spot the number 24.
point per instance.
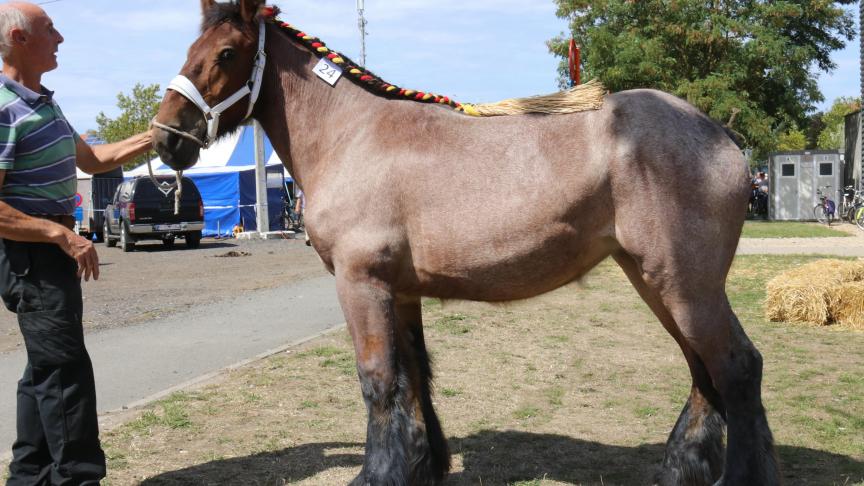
(327, 71)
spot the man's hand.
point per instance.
(83, 251)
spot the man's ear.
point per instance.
(18, 35)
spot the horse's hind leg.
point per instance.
(735, 367)
(694, 451)
(716, 348)
(404, 443)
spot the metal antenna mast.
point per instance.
(361, 22)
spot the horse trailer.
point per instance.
(94, 193)
(795, 179)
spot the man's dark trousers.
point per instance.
(58, 436)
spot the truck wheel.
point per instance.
(126, 243)
(193, 239)
(109, 242)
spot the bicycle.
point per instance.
(858, 212)
(825, 208)
(851, 208)
(848, 204)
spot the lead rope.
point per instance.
(178, 192)
(166, 188)
(189, 136)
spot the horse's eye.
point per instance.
(226, 55)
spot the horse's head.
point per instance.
(217, 87)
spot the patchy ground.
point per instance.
(580, 386)
(154, 282)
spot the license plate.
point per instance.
(167, 227)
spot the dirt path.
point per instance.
(852, 246)
(132, 363)
(152, 283)
(579, 386)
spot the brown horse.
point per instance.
(408, 200)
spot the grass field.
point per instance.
(787, 229)
(579, 386)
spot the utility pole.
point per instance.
(861, 106)
(262, 216)
(361, 22)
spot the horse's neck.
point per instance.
(312, 125)
(305, 118)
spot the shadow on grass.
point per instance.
(498, 458)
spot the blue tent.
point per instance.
(225, 176)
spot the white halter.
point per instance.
(182, 85)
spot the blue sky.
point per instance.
(470, 50)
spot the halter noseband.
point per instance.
(182, 85)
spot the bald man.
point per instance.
(42, 260)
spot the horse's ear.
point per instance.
(249, 9)
(205, 6)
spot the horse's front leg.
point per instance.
(391, 380)
(429, 454)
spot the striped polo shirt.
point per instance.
(37, 151)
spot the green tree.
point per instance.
(792, 139)
(760, 58)
(831, 137)
(136, 112)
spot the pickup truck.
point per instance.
(141, 211)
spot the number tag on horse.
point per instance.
(328, 71)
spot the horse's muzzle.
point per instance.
(176, 152)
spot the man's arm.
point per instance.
(18, 226)
(102, 158)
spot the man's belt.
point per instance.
(64, 219)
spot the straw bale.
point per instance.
(809, 293)
(827, 271)
(849, 306)
(798, 301)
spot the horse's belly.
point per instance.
(503, 269)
